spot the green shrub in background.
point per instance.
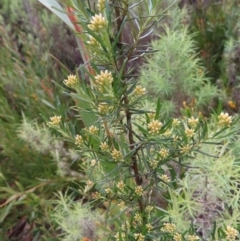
(216, 28)
(29, 19)
(175, 74)
(28, 178)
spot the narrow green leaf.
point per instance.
(55, 7)
(48, 104)
(5, 211)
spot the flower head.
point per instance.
(167, 133)
(120, 236)
(185, 149)
(121, 185)
(149, 208)
(165, 178)
(177, 237)
(93, 130)
(104, 79)
(164, 152)
(175, 122)
(139, 237)
(149, 227)
(71, 81)
(154, 126)
(154, 164)
(93, 42)
(139, 90)
(122, 205)
(231, 233)
(192, 238)
(168, 227)
(138, 218)
(224, 120)
(139, 190)
(55, 120)
(192, 122)
(78, 140)
(96, 195)
(232, 105)
(89, 185)
(104, 146)
(93, 163)
(97, 23)
(189, 133)
(101, 5)
(116, 155)
(103, 108)
(108, 190)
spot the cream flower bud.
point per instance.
(224, 120)
(71, 81)
(97, 23)
(54, 120)
(154, 127)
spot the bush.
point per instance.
(27, 177)
(217, 31)
(122, 169)
(140, 166)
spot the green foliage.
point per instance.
(175, 74)
(139, 163)
(29, 177)
(76, 221)
(216, 28)
(208, 193)
(121, 168)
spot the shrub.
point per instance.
(216, 28)
(139, 165)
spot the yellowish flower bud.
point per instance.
(189, 133)
(54, 120)
(139, 90)
(71, 81)
(104, 79)
(139, 237)
(154, 164)
(149, 227)
(93, 42)
(104, 146)
(78, 140)
(121, 185)
(164, 152)
(93, 130)
(224, 120)
(177, 237)
(231, 233)
(103, 108)
(192, 238)
(97, 23)
(192, 122)
(101, 5)
(185, 149)
(139, 190)
(168, 227)
(165, 178)
(154, 127)
(116, 155)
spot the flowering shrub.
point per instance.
(153, 177)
